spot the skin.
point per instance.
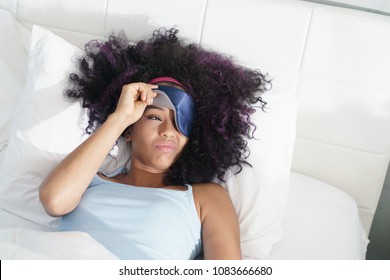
(156, 143)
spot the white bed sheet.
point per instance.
(27, 244)
(320, 222)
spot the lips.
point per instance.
(166, 147)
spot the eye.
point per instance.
(154, 118)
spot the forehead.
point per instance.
(153, 107)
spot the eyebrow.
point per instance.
(154, 107)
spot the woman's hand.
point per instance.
(63, 188)
(133, 101)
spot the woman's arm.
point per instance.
(62, 189)
(220, 229)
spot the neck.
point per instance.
(144, 178)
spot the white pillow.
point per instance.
(259, 194)
(13, 64)
(47, 128)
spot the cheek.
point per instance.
(143, 129)
(182, 142)
(139, 139)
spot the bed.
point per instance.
(324, 141)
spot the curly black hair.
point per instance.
(225, 95)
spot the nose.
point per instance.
(167, 129)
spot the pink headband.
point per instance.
(165, 79)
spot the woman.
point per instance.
(165, 205)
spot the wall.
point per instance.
(379, 247)
(376, 6)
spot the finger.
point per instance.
(146, 91)
(141, 91)
(152, 86)
(151, 96)
(131, 90)
(144, 96)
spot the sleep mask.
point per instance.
(180, 102)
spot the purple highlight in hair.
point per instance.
(225, 95)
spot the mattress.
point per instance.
(320, 222)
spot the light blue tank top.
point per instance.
(138, 222)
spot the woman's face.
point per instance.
(156, 143)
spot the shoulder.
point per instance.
(210, 197)
(208, 191)
(220, 226)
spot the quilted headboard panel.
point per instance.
(334, 60)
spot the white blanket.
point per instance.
(26, 244)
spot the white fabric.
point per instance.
(343, 122)
(259, 194)
(13, 62)
(27, 244)
(321, 222)
(46, 128)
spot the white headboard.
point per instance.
(334, 60)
